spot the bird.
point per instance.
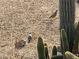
(29, 37)
(20, 44)
(54, 14)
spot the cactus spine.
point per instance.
(40, 48)
(64, 42)
(67, 18)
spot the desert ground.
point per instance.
(20, 17)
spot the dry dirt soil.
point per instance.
(19, 17)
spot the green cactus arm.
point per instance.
(64, 41)
(69, 55)
(54, 51)
(46, 51)
(40, 48)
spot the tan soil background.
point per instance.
(19, 17)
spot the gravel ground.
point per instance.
(19, 17)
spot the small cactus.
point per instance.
(59, 48)
(40, 48)
(64, 41)
(54, 51)
(46, 51)
(69, 55)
